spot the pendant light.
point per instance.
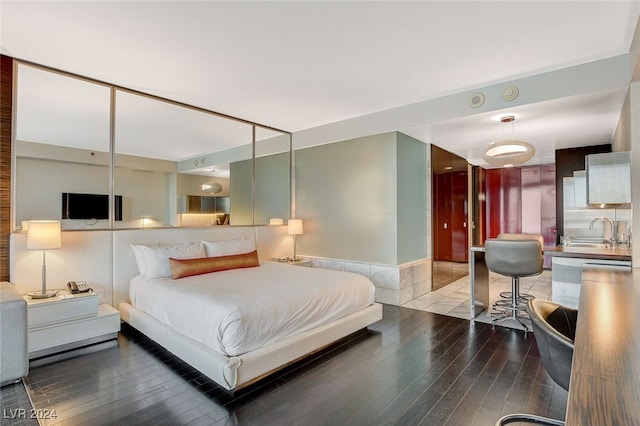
(508, 152)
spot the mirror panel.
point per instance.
(167, 153)
(167, 156)
(231, 169)
(62, 131)
(273, 175)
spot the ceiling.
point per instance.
(298, 65)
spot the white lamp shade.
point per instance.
(44, 235)
(294, 226)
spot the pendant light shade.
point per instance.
(508, 152)
(211, 187)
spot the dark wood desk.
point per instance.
(605, 374)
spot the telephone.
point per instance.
(76, 287)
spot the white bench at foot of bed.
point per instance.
(233, 373)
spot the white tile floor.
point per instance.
(453, 299)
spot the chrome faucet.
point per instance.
(613, 240)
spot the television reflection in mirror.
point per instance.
(89, 206)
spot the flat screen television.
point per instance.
(89, 206)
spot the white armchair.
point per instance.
(14, 356)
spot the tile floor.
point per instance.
(453, 299)
(444, 273)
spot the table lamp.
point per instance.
(294, 227)
(44, 235)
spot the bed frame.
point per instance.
(236, 372)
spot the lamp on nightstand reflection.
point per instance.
(44, 235)
(294, 227)
(146, 220)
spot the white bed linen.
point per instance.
(237, 311)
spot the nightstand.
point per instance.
(68, 321)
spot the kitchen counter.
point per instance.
(567, 264)
(589, 253)
(566, 272)
(605, 373)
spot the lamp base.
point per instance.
(41, 295)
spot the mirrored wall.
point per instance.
(98, 156)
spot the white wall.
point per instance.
(629, 127)
(43, 172)
(622, 136)
(40, 184)
(634, 116)
(84, 256)
(145, 194)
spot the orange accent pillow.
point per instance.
(181, 268)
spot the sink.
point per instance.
(588, 242)
(602, 245)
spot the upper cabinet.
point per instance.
(77, 135)
(609, 178)
(580, 188)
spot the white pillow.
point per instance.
(153, 260)
(139, 255)
(227, 247)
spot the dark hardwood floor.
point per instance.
(413, 367)
(15, 407)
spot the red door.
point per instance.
(442, 213)
(450, 217)
(459, 210)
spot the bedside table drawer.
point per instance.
(45, 312)
(54, 338)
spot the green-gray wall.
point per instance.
(357, 199)
(412, 205)
(273, 196)
(273, 187)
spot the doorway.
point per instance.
(450, 189)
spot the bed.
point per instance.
(313, 308)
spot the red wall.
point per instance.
(504, 201)
(521, 200)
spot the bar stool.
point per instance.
(515, 259)
(506, 295)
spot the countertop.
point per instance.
(579, 252)
(589, 252)
(605, 373)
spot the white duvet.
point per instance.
(240, 310)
